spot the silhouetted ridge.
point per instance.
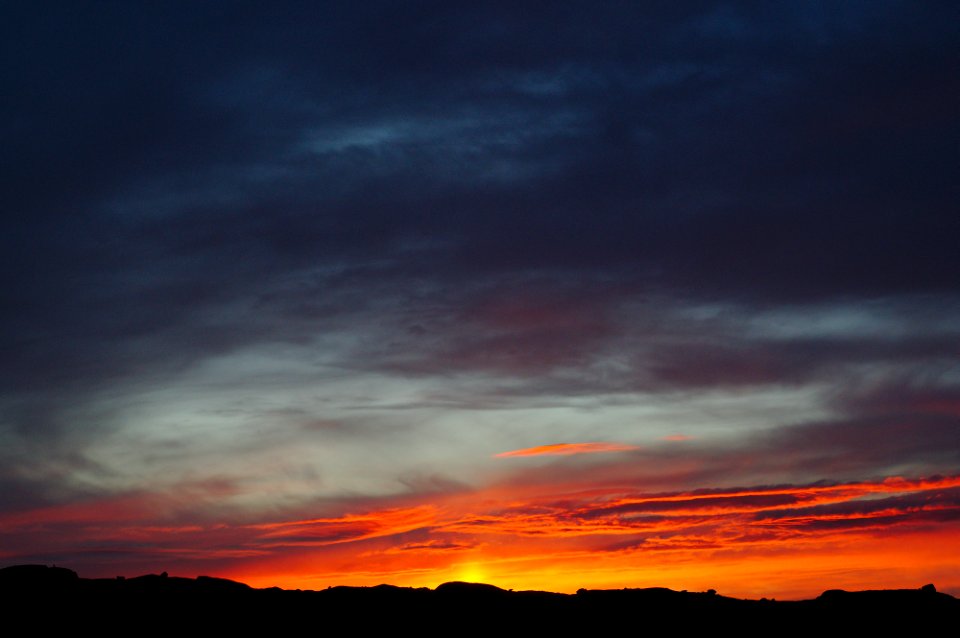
(38, 576)
(459, 588)
(926, 597)
(229, 605)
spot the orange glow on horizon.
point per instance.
(815, 537)
(776, 541)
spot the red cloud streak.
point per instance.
(784, 540)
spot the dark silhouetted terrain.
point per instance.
(58, 597)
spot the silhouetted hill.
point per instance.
(217, 604)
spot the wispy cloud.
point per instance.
(498, 524)
(347, 528)
(568, 449)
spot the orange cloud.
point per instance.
(567, 449)
(347, 528)
(781, 540)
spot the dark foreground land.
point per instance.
(54, 596)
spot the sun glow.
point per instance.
(471, 573)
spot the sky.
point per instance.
(546, 295)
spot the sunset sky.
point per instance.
(546, 295)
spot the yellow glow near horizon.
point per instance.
(471, 573)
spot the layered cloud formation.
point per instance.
(400, 284)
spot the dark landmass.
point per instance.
(58, 596)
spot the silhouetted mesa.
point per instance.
(219, 604)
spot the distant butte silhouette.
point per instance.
(58, 597)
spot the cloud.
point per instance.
(471, 228)
(432, 546)
(347, 528)
(416, 536)
(568, 449)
